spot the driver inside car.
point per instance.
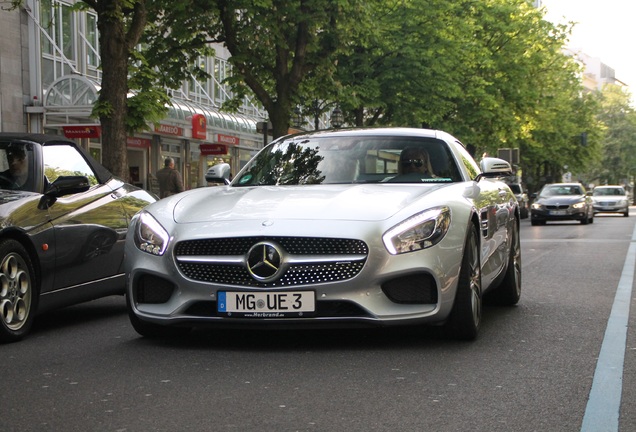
(415, 160)
(17, 176)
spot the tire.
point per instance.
(151, 330)
(465, 317)
(18, 292)
(626, 214)
(508, 292)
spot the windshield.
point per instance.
(344, 160)
(608, 191)
(556, 190)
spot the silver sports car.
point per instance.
(350, 227)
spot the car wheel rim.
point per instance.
(475, 282)
(516, 261)
(15, 292)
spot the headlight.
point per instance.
(537, 206)
(420, 231)
(578, 205)
(150, 236)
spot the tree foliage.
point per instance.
(492, 72)
(618, 161)
(277, 46)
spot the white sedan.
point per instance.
(352, 227)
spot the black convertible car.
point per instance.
(63, 222)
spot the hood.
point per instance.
(323, 202)
(561, 199)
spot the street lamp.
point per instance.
(337, 118)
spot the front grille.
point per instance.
(315, 260)
(293, 245)
(558, 207)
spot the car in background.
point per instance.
(522, 198)
(63, 223)
(355, 227)
(610, 199)
(560, 202)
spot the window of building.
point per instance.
(59, 53)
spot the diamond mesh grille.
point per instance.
(298, 274)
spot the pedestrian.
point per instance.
(169, 179)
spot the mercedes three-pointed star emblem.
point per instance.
(265, 261)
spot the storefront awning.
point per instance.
(70, 99)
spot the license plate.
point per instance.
(558, 212)
(258, 304)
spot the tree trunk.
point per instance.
(113, 95)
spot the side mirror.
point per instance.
(219, 173)
(494, 167)
(63, 185)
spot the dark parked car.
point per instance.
(63, 222)
(352, 227)
(562, 201)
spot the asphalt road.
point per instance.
(532, 369)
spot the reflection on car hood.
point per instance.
(19, 208)
(323, 202)
(561, 199)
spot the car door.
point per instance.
(89, 227)
(493, 202)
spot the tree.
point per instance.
(616, 166)
(133, 88)
(282, 50)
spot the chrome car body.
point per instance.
(62, 233)
(320, 229)
(562, 201)
(610, 199)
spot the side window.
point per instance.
(66, 160)
(467, 161)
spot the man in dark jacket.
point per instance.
(170, 182)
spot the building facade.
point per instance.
(50, 84)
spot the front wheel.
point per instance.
(18, 297)
(508, 292)
(465, 317)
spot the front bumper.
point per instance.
(610, 208)
(558, 215)
(412, 288)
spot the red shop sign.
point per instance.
(213, 149)
(82, 131)
(169, 130)
(138, 142)
(227, 139)
(199, 126)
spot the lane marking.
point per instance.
(604, 404)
